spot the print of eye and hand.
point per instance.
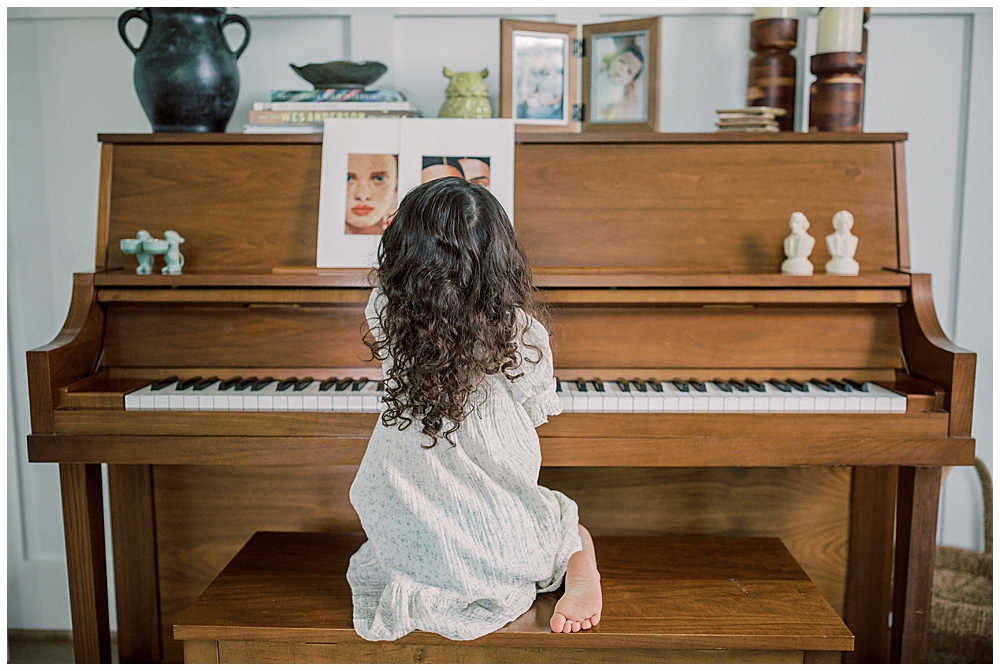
(371, 193)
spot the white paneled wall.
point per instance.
(70, 77)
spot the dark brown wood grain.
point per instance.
(239, 206)
(902, 214)
(868, 591)
(659, 593)
(913, 577)
(133, 535)
(83, 524)
(556, 451)
(72, 355)
(932, 355)
(714, 208)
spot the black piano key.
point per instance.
(623, 385)
(742, 386)
(190, 382)
(344, 384)
(825, 386)
(581, 385)
(598, 384)
(860, 386)
(327, 383)
(286, 383)
(230, 383)
(640, 385)
(303, 383)
(838, 384)
(380, 386)
(206, 383)
(698, 384)
(757, 386)
(165, 382)
(360, 384)
(656, 385)
(245, 384)
(558, 386)
(680, 384)
(261, 383)
(801, 386)
(722, 384)
(780, 385)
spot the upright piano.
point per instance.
(657, 257)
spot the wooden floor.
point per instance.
(38, 646)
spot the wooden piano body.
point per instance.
(657, 255)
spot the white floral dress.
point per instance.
(461, 538)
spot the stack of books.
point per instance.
(305, 111)
(749, 119)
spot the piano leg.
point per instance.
(83, 523)
(868, 593)
(133, 537)
(916, 538)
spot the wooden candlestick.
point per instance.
(835, 97)
(771, 78)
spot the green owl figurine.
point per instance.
(466, 97)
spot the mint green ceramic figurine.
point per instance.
(172, 255)
(143, 256)
(466, 96)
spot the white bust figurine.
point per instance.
(842, 245)
(798, 247)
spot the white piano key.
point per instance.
(370, 397)
(565, 396)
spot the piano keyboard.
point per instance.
(590, 396)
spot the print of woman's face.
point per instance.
(624, 68)
(371, 188)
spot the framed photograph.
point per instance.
(359, 190)
(538, 75)
(621, 75)
(480, 151)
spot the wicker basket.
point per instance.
(961, 629)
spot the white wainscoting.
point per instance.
(70, 78)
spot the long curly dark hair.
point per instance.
(454, 276)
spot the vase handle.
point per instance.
(128, 15)
(236, 18)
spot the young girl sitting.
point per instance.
(461, 537)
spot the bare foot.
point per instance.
(580, 606)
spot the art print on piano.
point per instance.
(368, 165)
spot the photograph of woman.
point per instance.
(619, 77)
(475, 169)
(371, 193)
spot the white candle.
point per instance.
(839, 29)
(773, 13)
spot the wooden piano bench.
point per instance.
(284, 598)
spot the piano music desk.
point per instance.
(284, 598)
(658, 256)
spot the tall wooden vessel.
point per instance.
(657, 255)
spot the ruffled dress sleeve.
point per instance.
(535, 386)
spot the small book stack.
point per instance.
(305, 111)
(749, 119)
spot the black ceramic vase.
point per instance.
(185, 73)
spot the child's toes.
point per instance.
(585, 624)
(568, 627)
(595, 619)
(576, 626)
(557, 622)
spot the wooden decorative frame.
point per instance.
(513, 78)
(635, 107)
